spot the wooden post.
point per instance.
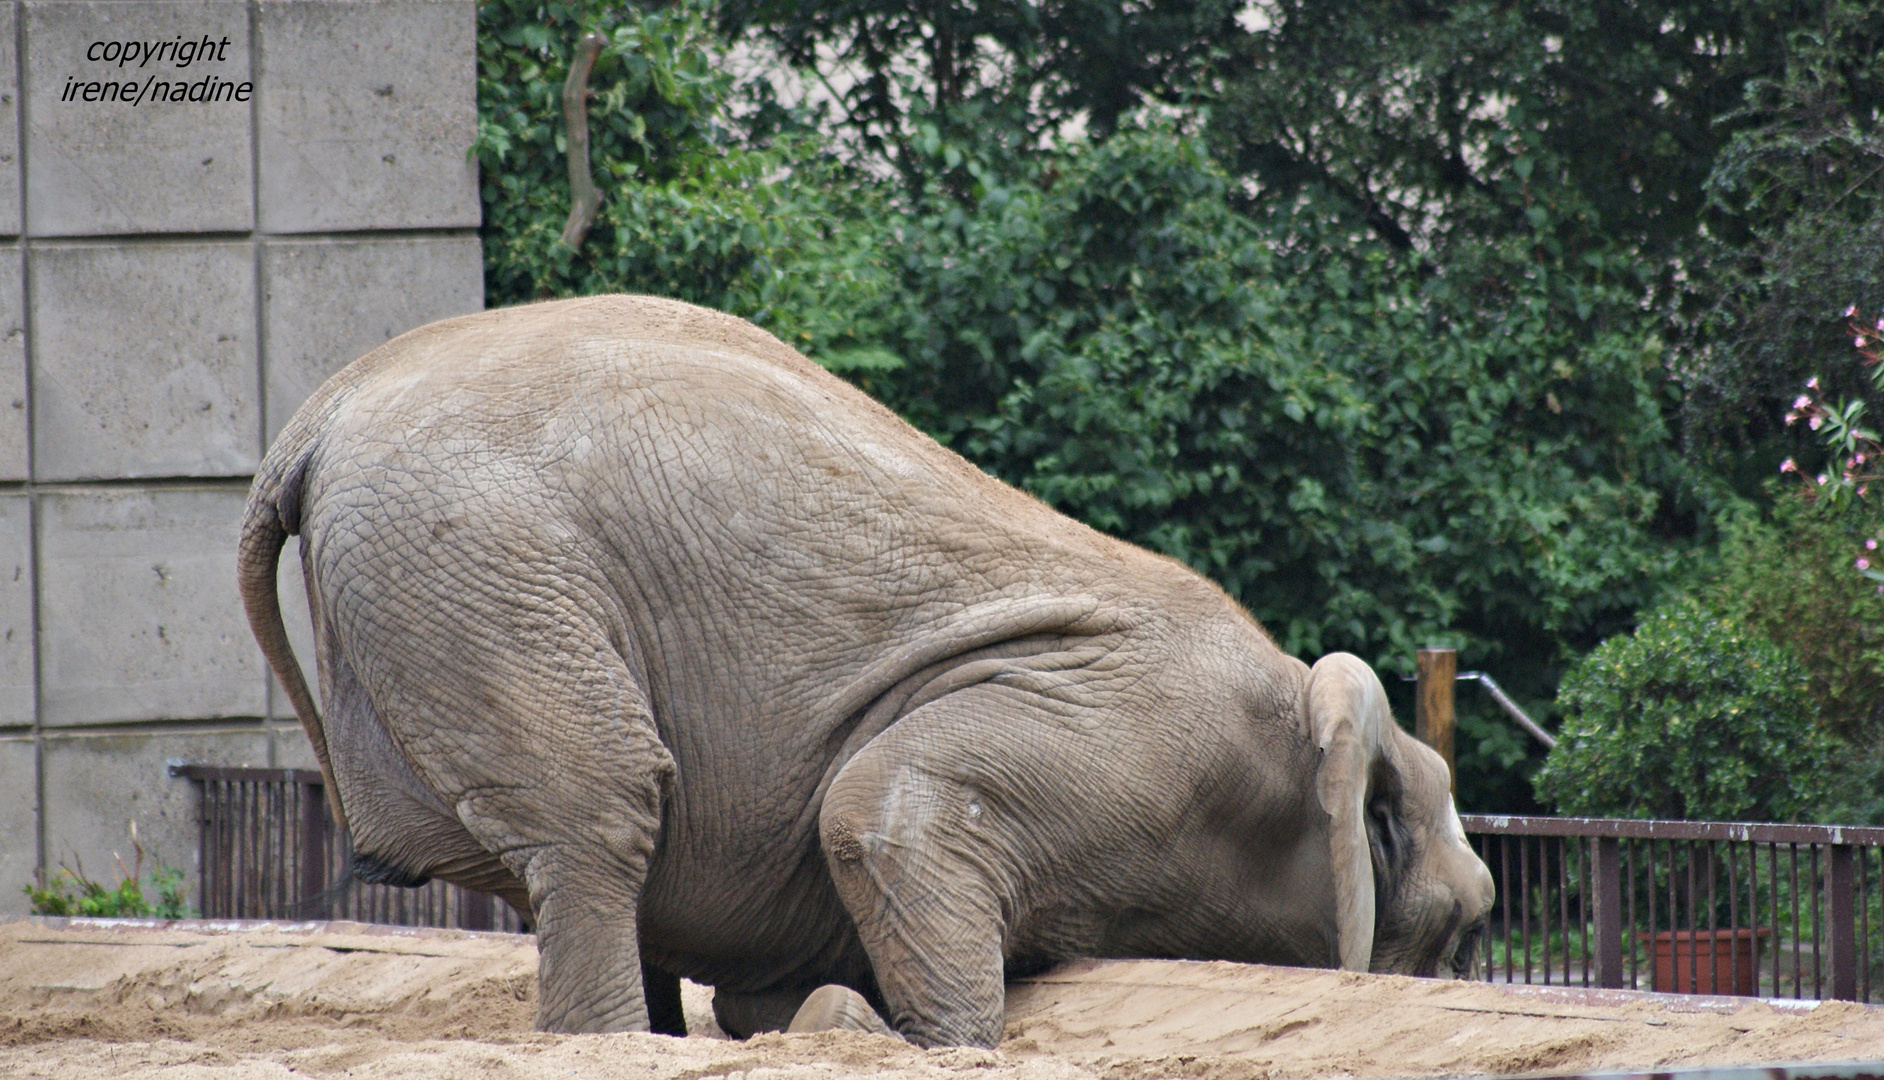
(1844, 937)
(313, 854)
(476, 910)
(1432, 712)
(1606, 878)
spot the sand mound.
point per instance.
(84, 999)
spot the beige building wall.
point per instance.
(175, 278)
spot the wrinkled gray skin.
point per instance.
(629, 613)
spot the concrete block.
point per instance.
(9, 122)
(144, 361)
(13, 460)
(366, 111)
(16, 611)
(98, 784)
(292, 750)
(19, 827)
(143, 165)
(330, 301)
(139, 614)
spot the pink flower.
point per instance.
(1801, 401)
(1812, 383)
(1850, 311)
(1858, 341)
(1790, 417)
(1822, 478)
(1788, 466)
(1870, 545)
(1816, 421)
(1864, 564)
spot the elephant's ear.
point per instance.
(1348, 717)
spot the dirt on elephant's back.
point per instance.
(84, 999)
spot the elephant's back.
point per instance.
(645, 404)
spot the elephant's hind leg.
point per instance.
(576, 818)
(523, 717)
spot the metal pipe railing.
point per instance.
(1510, 707)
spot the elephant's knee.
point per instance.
(874, 808)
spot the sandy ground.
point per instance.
(92, 999)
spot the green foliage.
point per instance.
(1042, 63)
(1790, 575)
(69, 892)
(1797, 201)
(1369, 457)
(1794, 575)
(1691, 716)
(1391, 339)
(1371, 453)
(768, 229)
(652, 119)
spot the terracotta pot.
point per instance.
(1706, 961)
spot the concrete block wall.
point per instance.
(175, 278)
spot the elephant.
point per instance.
(715, 667)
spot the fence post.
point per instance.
(1606, 880)
(476, 910)
(1432, 711)
(1844, 938)
(313, 855)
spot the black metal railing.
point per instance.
(1680, 906)
(1685, 906)
(269, 849)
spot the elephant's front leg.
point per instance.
(923, 871)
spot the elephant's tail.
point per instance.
(274, 514)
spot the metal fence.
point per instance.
(1685, 906)
(269, 849)
(1676, 906)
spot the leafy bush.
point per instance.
(1691, 716)
(69, 892)
(1791, 575)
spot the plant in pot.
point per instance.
(1692, 716)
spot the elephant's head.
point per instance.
(1411, 897)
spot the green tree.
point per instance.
(1371, 446)
(1691, 716)
(1369, 457)
(1802, 181)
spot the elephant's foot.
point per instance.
(838, 1008)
